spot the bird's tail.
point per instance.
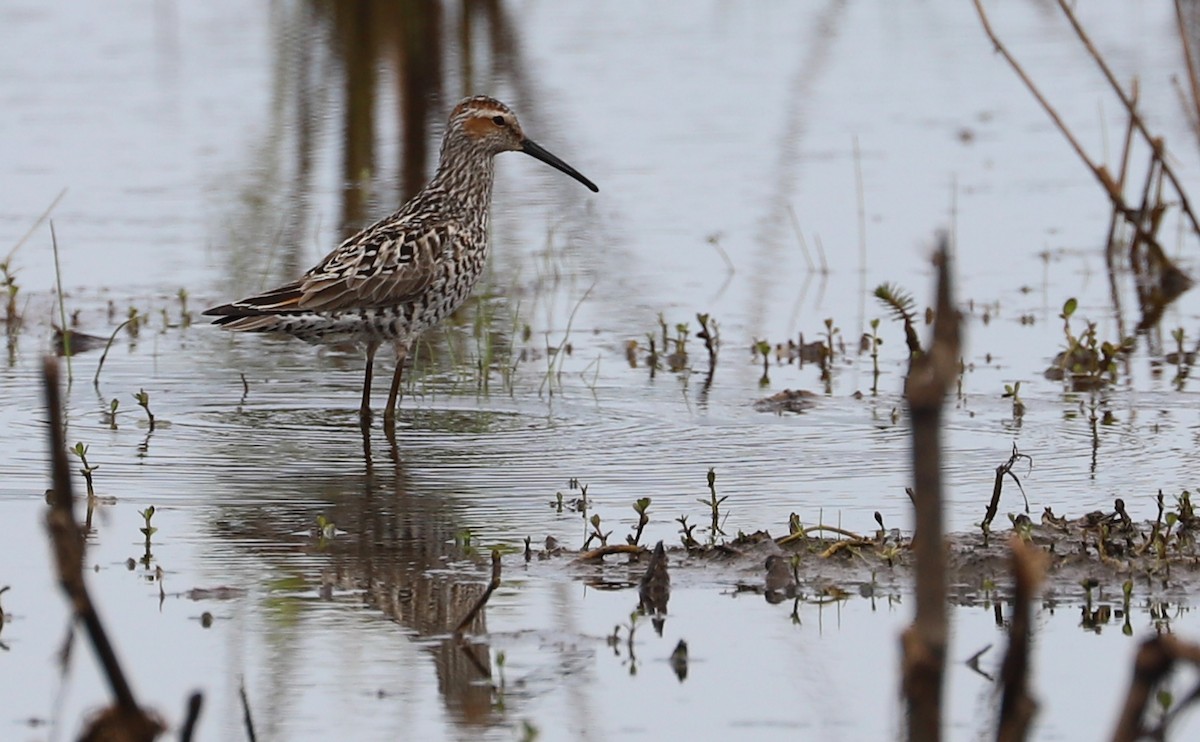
(260, 313)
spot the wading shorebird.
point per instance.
(407, 272)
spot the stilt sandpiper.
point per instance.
(407, 272)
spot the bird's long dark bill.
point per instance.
(533, 149)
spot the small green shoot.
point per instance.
(872, 342)
(147, 531)
(640, 508)
(763, 348)
(143, 400)
(596, 533)
(326, 530)
(111, 415)
(714, 504)
(711, 335)
(827, 357)
(185, 317)
(1013, 392)
(80, 451)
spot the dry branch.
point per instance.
(1156, 143)
(1111, 187)
(603, 551)
(1189, 64)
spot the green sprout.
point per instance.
(714, 504)
(640, 508)
(80, 451)
(763, 348)
(143, 400)
(1013, 392)
(148, 530)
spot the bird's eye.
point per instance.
(499, 121)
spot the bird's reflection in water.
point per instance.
(399, 550)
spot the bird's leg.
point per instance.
(389, 415)
(365, 411)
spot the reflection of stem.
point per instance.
(629, 645)
(468, 651)
(1017, 707)
(195, 701)
(483, 599)
(246, 717)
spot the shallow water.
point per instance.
(202, 147)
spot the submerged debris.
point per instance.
(1101, 548)
(789, 400)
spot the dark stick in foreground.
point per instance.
(930, 377)
(67, 541)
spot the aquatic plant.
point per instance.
(714, 505)
(1086, 362)
(111, 414)
(596, 534)
(326, 530)
(685, 530)
(147, 531)
(902, 306)
(871, 341)
(763, 348)
(677, 359)
(8, 272)
(554, 356)
(80, 451)
(831, 331)
(185, 317)
(640, 507)
(1013, 392)
(711, 335)
(143, 400)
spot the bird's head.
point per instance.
(487, 124)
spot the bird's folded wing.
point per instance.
(387, 264)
